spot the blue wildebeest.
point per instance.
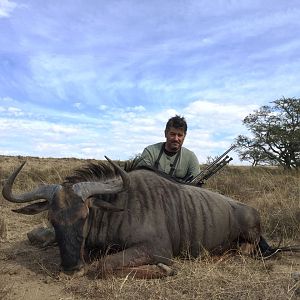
(138, 218)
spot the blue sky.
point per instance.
(92, 78)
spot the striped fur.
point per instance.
(171, 219)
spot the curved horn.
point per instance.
(112, 186)
(123, 173)
(43, 192)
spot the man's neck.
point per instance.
(170, 153)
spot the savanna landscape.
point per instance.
(31, 272)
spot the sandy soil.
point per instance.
(27, 271)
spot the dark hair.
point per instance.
(176, 122)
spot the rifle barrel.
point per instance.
(214, 167)
(221, 156)
(218, 168)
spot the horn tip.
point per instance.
(107, 158)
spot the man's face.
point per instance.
(174, 139)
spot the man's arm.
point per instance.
(194, 166)
(146, 158)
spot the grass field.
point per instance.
(28, 272)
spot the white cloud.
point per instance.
(6, 99)
(6, 8)
(15, 111)
(139, 108)
(125, 133)
(78, 105)
(39, 129)
(216, 111)
(12, 111)
(64, 129)
(93, 151)
(53, 147)
(103, 107)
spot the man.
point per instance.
(169, 156)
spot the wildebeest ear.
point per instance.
(33, 209)
(101, 204)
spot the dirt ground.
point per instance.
(27, 272)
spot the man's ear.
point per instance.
(166, 133)
(33, 209)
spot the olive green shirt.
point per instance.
(187, 163)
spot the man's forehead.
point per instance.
(176, 130)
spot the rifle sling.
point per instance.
(173, 165)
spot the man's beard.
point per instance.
(175, 146)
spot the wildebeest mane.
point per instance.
(92, 172)
(103, 170)
(100, 171)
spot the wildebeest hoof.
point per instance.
(42, 236)
(169, 271)
(71, 275)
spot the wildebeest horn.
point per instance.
(112, 186)
(42, 192)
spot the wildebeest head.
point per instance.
(68, 206)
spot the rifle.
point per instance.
(213, 168)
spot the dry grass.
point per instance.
(5, 287)
(227, 278)
(274, 192)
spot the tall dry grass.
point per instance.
(275, 192)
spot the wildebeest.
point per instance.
(138, 218)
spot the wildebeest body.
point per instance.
(170, 219)
(142, 219)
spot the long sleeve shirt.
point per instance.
(186, 164)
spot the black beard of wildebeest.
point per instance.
(139, 218)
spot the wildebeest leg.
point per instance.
(246, 248)
(136, 262)
(258, 249)
(249, 223)
(248, 243)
